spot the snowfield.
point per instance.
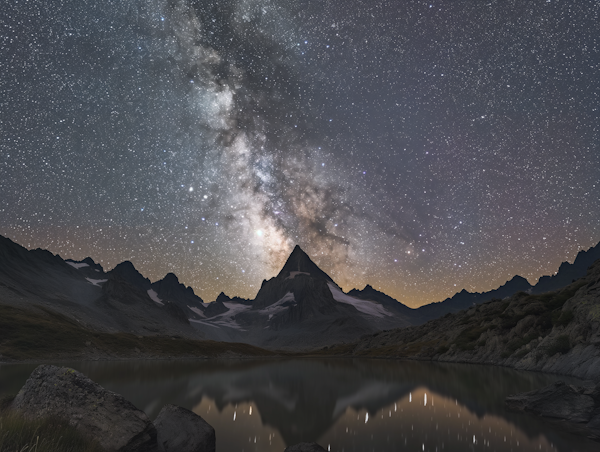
(227, 318)
(279, 306)
(77, 265)
(294, 274)
(152, 294)
(96, 282)
(196, 310)
(366, 307)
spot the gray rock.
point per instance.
(96, 412)
(576, 407)
(180, 430)
(304, 447)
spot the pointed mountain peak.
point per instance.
(300, 263)
(89, 261)
(127, 271)
(170, 286)
(125, 265)
(223, 298)
(298, 253)
(171, 278)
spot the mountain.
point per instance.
(458, 302)
(224, 298)
(300, 307)
(465, 299)
(115, 301)
(567, 272)
(170, 290)
(127, 272)
(369, 293)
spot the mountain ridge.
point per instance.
(301, 305)
(565, 275)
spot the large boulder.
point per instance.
(96, 412)
(180, 430)
(304, 447)
(577, 408)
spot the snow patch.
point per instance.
(152, 294)
(294, 274)
(196, 310)
(227, 318)
(77, 265)
(281, 305)
(235, 308)
(96, 282)
(203, 322)
(365, 306)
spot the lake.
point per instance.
(344, 405)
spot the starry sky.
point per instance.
(420, 147)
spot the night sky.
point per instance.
(421, 147)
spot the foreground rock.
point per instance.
(180, 430)
(304, 447)
(577, 408)
(98, 413)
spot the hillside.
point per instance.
(555, 332)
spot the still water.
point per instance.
(344, 405)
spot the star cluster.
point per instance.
(421, 147)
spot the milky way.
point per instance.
(421, 147)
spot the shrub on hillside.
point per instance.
(560, 345)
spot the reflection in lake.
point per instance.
(344, 405)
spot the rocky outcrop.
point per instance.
(180, 430)
(96, 412)
(215, 308)
(304, 447)
(576, 407)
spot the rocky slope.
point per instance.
(555, 332)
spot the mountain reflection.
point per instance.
(442, 424)
(343, 404)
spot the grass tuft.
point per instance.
(467, 337)
(517, 343)
(19, 434)
(562, 318)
